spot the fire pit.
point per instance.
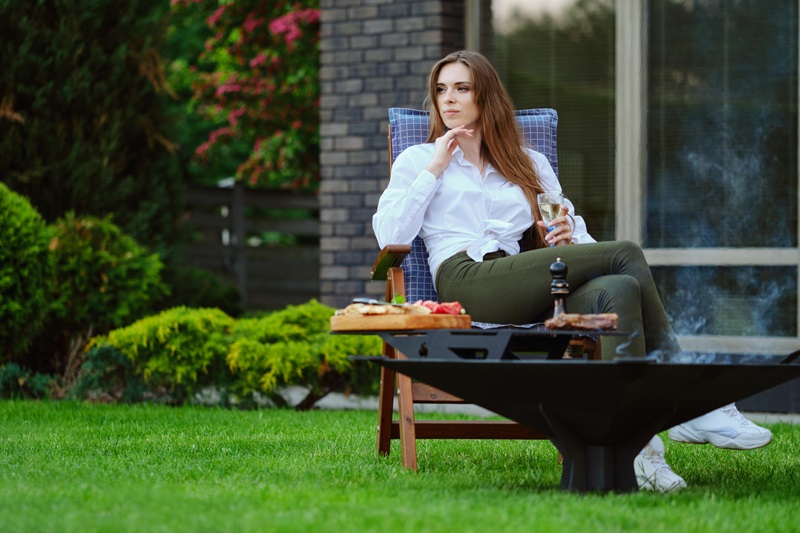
(599, 414)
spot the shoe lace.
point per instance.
(658, 461)
(734, 413)
(670, 480)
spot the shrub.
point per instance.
(294, 346)
(178, 350)
(24, 273)
(108, 375)
(103, 280)
(17, 382)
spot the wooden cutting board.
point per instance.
(398, 322)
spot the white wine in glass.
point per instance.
(550, 206)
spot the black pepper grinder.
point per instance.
(559, 287)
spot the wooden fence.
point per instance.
(266, 243)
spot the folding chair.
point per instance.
(405, 269)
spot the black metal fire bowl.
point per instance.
(599, 414)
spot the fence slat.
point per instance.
(267, 277)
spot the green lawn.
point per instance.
(77, 467)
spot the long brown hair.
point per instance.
(501, 142)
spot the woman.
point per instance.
(470, 193)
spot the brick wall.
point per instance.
(376, 54)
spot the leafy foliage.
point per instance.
(24, 273)
(82, 110)
(102, 279)
(107, 374)
(179, 350)
(256, 81)
(17, 382)
(294, 346)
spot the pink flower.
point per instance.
(228, 88)
(214, 18)
(233, 118)
(251, 23)
(288, 24)
(202, 148)
(259, 60)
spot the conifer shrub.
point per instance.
(177, 351)
(181, 351)
(24, 274)
(293, 346)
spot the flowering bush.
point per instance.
(258, 80)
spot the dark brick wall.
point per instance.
(376, 54)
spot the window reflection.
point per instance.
(722, 124)
(560, 54)
(737, 301)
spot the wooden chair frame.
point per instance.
(406, 428)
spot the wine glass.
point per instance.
(550, 206)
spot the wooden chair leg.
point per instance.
(386, 406)
(405, 405)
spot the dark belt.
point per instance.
(494, 255)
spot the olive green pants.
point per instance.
(606, 277)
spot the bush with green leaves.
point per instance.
(17, 382)
(102, 279)
(294, 346)
(24, 273)
(106, 374)
(181, 351)
(177, 351)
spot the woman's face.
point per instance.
(454, 96)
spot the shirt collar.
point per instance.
(458, 154)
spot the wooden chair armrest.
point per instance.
(391, 256)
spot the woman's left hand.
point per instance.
(561, 232)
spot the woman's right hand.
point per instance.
(443, 150)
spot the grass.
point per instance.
(77, 467)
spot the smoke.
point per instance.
(700, 358)
(743, 301)
(722, 162)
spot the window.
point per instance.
(721, 124)
(677, 129)
(560, 54)
(720, 202)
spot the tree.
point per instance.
(82, 100)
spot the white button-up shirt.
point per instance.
(460, 211)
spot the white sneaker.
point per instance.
(724, 428)
(652, 470)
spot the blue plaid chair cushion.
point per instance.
(410, 127)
